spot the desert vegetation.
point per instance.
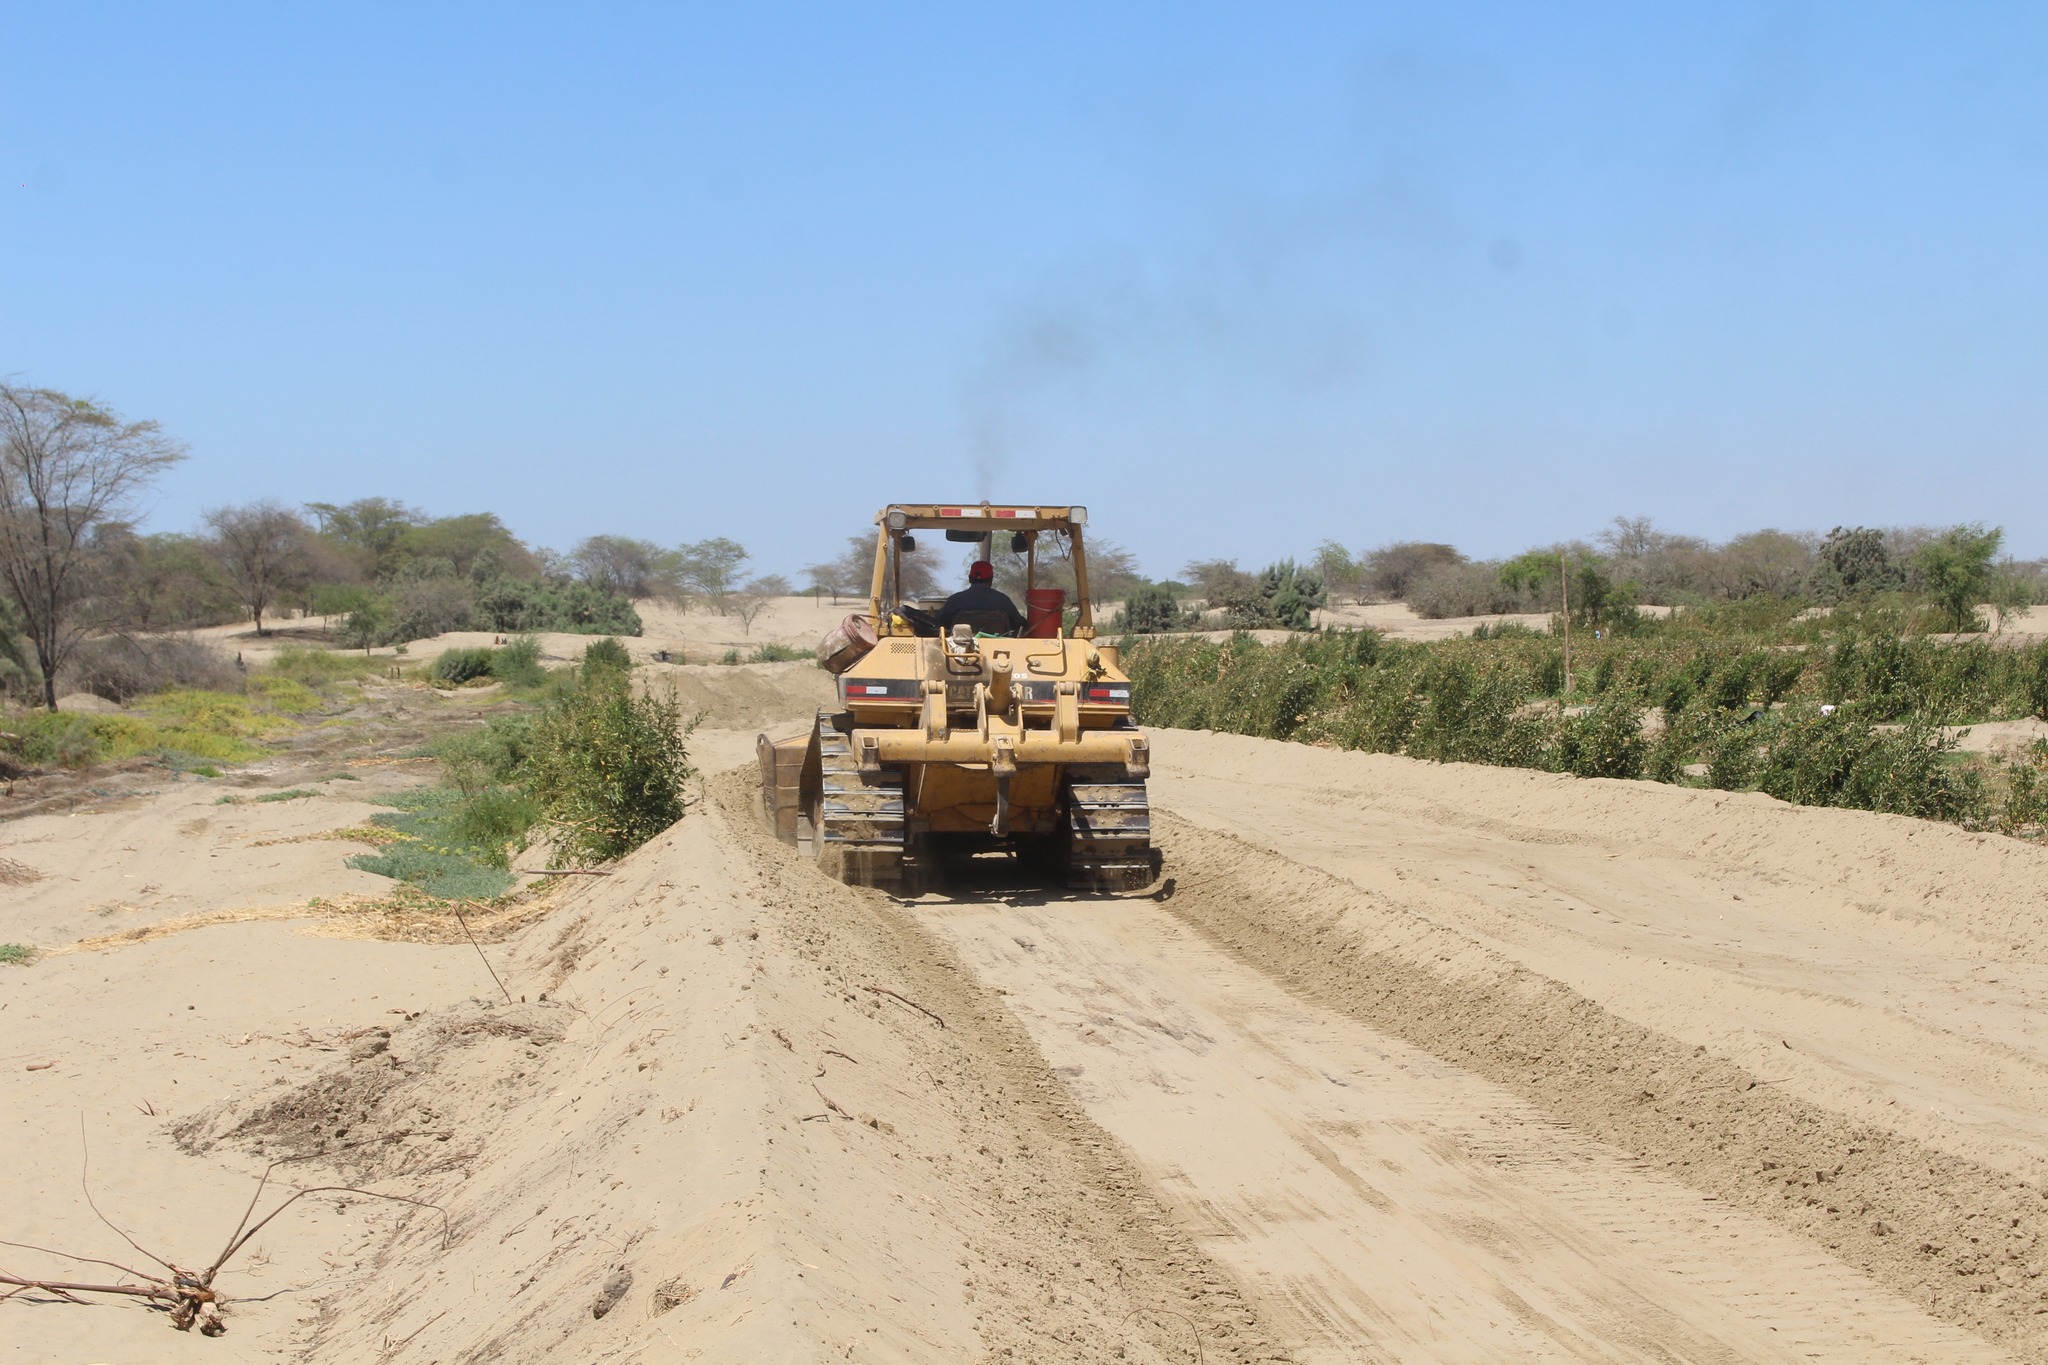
(1847, 708)
(91, 603)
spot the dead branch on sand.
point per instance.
(464, 922)
(189, 1294)
(884, 990)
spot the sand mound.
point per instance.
(737, 696)
(707, 1131)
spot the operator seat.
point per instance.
(984, 622)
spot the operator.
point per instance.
(981, 605)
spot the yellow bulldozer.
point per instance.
(971, 737)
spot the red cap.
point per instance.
(981, 570)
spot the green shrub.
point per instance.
(571, 607)
(1282, 595)
(458, 666)
(2033, 671)
(1837, 760)
(16, 954)
(492, 753)
(59, 739)
(779, 654)
(177, 727)
(607, 653)
(1606, 741)
(517, 663)
(2026, 795)
(607, 770)
(1152, 609)
(494, 822)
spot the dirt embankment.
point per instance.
(741, 1113)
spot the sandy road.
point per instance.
(1454, 1064)
(1382, 1205)
(1894, 971)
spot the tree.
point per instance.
(1283, 595)
(262, 549)
(1152, 608)
(628, 567)
(1764, 563)
(828, 576)
(1217, 580)
(1112, 570)
(1956, 566)
(855, 571)
(1656, 562)
(1392, 570)
(757, 595)
(1341, 573)
(2014, 589)
(165, 581)
(466, 540)
(1857, 559)
(69, 469)
(367, 624)
(368, 531)
(711, 567)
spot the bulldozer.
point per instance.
(970, 741)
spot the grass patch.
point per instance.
(185, 727)
(450, 843)
(16, 954)
(320, 668)
(287, 695)
(437, 872)
(295, 794)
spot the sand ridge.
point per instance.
(710, 1114)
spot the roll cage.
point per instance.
(968, 522)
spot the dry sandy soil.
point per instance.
(1401, 1062)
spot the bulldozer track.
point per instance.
(1109, 831)
(858, 826)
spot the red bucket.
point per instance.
(1046, 606)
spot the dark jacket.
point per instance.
(981, 600)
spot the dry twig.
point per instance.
(464, 922)
(884, 990)
(190, 1294)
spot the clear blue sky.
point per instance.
(1241, 278)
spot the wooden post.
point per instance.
(1564, 583)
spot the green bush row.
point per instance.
(1855, 724)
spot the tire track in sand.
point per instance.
(1379, 1203)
